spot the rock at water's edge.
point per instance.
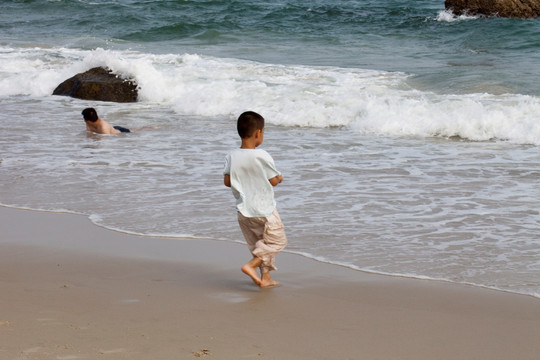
(500, 8)
(98, 84)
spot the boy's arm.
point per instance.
(276, 180)
(227, 180)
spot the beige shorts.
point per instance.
(265, 237)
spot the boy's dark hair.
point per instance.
(90, 114)
(248, 122)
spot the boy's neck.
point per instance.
(248, 144)
(254, 140)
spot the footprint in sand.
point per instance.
(129, 301)
(201, 353)
(113, 351)
(232, 297)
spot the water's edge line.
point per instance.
(298, 253)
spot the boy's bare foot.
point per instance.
(250, 269)
(266, 281)
(266, 284)
(252, 273)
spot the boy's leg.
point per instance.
(265, 237)
(274, 240)
(252, 228)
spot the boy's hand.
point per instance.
(227, 180)
(276, 180)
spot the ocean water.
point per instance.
(408, 137)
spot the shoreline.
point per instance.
(71, 289)
(301, 254)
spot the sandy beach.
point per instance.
(72, 290)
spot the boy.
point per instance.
(251, 174)
(96, 124)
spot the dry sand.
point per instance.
(72, 290)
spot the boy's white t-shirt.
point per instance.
(250, 170)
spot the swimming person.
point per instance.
(95, 124)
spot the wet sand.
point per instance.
(72, 290)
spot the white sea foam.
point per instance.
(449, 16)
(368, 101)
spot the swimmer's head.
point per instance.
(90, 114)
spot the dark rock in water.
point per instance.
(98, 84)
(500, 8)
